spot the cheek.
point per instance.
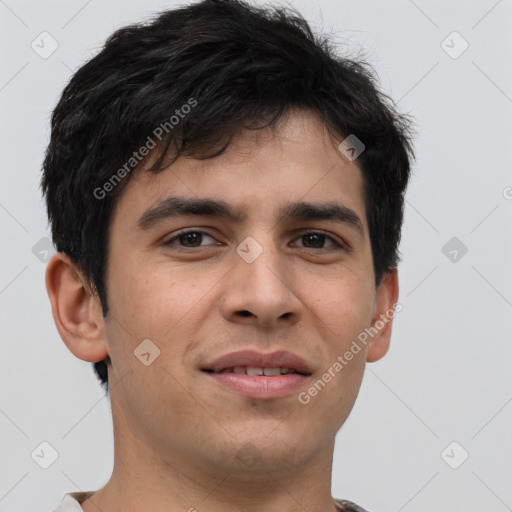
(149, 305)
(343, 307)
(150, 301)
(164, 304)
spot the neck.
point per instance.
(162, 474)
(142, 480)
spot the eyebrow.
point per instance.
(172, 207)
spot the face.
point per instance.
(303, 285)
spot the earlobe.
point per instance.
(75, 309)
(387, 296)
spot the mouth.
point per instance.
(252, 362)
(256, 375)
(262, 386)
(254, 371)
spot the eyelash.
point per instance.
(337, 245)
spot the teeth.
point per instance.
(253, 371)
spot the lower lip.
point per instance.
(256, 386)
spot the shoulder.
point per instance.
(348, 506)
(71, 501)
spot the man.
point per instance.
(226, 197)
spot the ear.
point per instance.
(75, 309)
(385, 303)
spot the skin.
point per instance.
(177, 435)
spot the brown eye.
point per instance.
(317, 240)
(190, 239)
(314, 240)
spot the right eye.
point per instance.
(188, 239)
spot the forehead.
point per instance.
(259, 172)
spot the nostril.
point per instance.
(245, 313)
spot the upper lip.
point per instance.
(279, 359)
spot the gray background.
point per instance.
(447, 376)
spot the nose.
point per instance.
(261, 292)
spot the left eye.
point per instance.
(311, 239)
(317, 238)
